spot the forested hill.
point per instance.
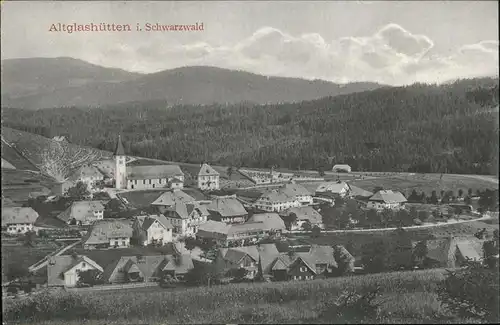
(36, 83)
(425, 128)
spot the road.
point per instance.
(484, 217)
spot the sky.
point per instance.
(392, 42)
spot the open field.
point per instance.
(406, 297)
(18, 184)
(428, 183)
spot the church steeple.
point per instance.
(119, 151)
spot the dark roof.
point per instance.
(60, 264)
(388, 196)
(184, 211)
(147, 221)
(154, 172)
(227, 207)
(16, 215)
(305, 213)
(119, 151)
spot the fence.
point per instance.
(115, 287)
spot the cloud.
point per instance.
(392, 55)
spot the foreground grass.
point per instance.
(406, 297)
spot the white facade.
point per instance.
(120, 172)
(305, 199)
(267, 205)
(208, 182)
(187, 227)
(133, 184)
(156, 232)
(119, 242)
(19, 228)
(71, 276)
(382, 205)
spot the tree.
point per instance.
(433, 199)
(423, 215)
(472, 293)
(375, 256)
(229, 171)
(78, 192)
(113, 208)
(344, 259)
(414, 197)
(470, 192)
(420, 253)
(468, 200)
(339, 201)
(404, 218)
(29, 238)
(490, 251)
(377, 189)
(238, 274)
(460, 192)
(401, 250)
(307, 226)
(90, 277)
(316, 231)
(290, 219)
(321, 172)
(190, 243)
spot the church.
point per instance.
(144, 176)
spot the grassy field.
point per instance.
(405, 297)
(18, 184)
(428, 183)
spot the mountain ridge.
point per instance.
(34, 83)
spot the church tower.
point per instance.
(120, 167)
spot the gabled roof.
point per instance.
(7, 165)
(471, 248)
(246, 227)
(294, 190)
(282, 262)
(150, 265)
(154, 172)
(170, 198)
(357, 191)
(305, 213)
(85, 172)
(184, 211)
(438, 249)
(333, 187)
(272, 221)
(388, 196)
(103, 230)
(227, 207)
(16, 215)
(147, 221)
(60, 264)
(216, 227)
(276, 195)
(341, 166)
(119, 151)
(266, 252)
(81, 210)
(207, 170)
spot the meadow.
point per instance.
(404, 297)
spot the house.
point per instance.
(247, 257)
(109, 233)
(63, 270)
(208, 178)
(147, 268)
(336, 189)
(451, 252)
(153, 229)
(18, 220)
(86, 174)
(144, 176)
(170, 198)
(186, 217)
(299, 192)
(227, 209)
(176, 183)
(82, 213)
(213, 231)
(303, 215)
(360, 193)
(341, 168)
(306, 265)
(276, 200)
(272, 222)
(386, 199)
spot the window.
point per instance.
(123, 243)
(83, 264)
(303, 269)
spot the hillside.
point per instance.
(25, 77)
(419, 128)
(44, 83)
(53, 158)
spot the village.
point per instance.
(131, 222)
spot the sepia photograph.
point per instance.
(249, 162)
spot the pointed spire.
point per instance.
(120, 151)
